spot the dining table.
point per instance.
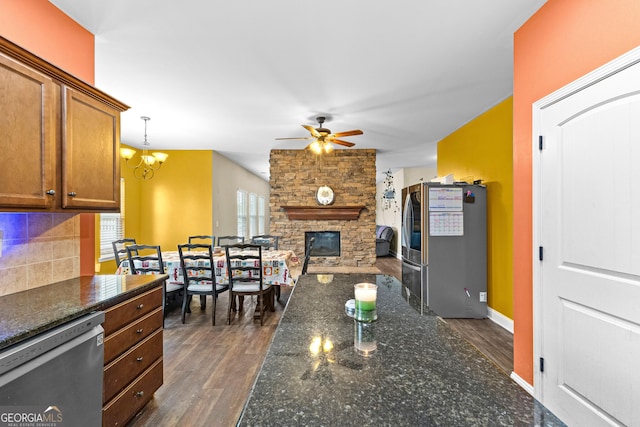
(276, 267)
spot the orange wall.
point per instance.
(563, 41)
(44, 30)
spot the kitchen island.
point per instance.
(412, 368)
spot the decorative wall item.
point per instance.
(389, 193)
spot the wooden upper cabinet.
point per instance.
(59, 138)
(27, 136)
(90, 147)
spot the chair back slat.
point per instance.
(230, 240)
(196, 239)
(145, 259)
(120, 249)
(267, 241)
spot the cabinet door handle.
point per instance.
(139, 359)
(139, 331)
(139, 307)
(51, 192)
(139, 394)
(72, 193)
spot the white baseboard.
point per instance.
(501, 319)
(522, 383)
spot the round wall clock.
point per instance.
(324, 196)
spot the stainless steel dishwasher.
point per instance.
(55, 378)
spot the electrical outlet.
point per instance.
(483, 297)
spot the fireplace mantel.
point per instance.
(323, 212)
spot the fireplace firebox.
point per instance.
(326, 244)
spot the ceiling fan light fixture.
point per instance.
(323, 139)
(316, 147)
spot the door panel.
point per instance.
(588, 282)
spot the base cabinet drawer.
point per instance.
(123, 314)
(126, 368)
(127, 337)
(129, 402)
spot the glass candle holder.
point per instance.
(366, 295)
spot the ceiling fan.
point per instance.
(323, 138)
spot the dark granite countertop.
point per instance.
(28, 313)
(422, 373)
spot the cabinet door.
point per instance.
(90, 146)
(27, 137)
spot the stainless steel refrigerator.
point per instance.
(444, 247)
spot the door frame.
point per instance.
(613, 67)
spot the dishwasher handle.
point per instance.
(44, 342)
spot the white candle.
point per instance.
(366, 294)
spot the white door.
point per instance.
(587, 222)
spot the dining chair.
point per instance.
(267, 241)
(198, 272)
(244, 268)
(147, 259)
(230, 240)
(307, 255)
(120, 249)
(196, 239)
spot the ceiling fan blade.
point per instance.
(348, 133)
(341, 142)
(304, 137)
(313, 131)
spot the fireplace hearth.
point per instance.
(326, 244)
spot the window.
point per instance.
(111, 228)
(253, 214)
(241, 202)
(261, 215)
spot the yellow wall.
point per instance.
(482, 149)
(176, 203)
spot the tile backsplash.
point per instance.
(38, 249)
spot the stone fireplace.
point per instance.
(295, 177)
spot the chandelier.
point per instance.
(148, 163)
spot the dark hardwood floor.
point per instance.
(209, 370)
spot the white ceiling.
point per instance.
(232, 76)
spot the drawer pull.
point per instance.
(72, 194)
(139, 307)
(139, 393)
(139, 331)
(139, 359)
(51, 192)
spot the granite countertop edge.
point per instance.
(26, 314)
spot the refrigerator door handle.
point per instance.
(407, 222)
(411, 265)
